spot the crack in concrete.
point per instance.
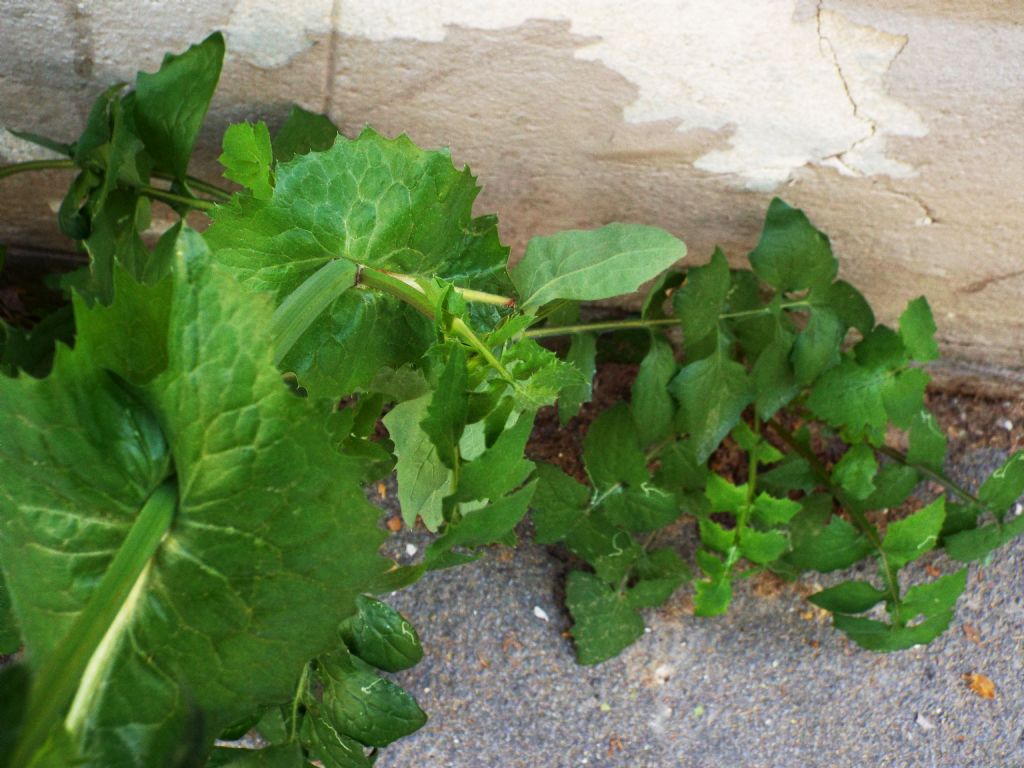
(980, 285)
(332, 57)
(824, 41)
(927, 214)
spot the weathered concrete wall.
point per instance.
(897, 130)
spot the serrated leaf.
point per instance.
(908, 539)
(642, 509)
(792, 474)
(712, 595)
(559, 503)
(774, 380)
(586, 265)
(933, 598)
(714, 536)
(659, 574)
(445, 417)
(225, 590)
(501, 467)
(855, 472)
(303, 131)
(699, 301)
(381, 636)
(849, 597)
(904, 396)
(792, 255)
(927, 442)
(724, 496)
(609, 549)
(893, 485)
(582, 356)
(364, 706)
(821, 541)
(878, 636)
(713, 393)
(850, 397)
(770, 511)
(170, 104)
(917, 330)
(423, 479)
(603, 624)
(762, 546)
(851, 306)
(816, 348)
(1004, 486)
(384, 203)
(611, 450)
(248, 157)
(881, 349)
(651, 403)
(975, 544)
(482, 526)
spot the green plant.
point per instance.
(186, 484)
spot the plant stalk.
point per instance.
(931, 474)
(61, 674)
(36, 165)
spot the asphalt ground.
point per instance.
(770, 685)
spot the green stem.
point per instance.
(203, 186)
(300, 692)
(61, 675)
(858, 517)
(752, 463)
(405, 288)
(169, 197)
(931, 474)
(63, 164)
(482, 297)
(305, 304)
(618, 325)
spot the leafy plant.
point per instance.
(185, 548)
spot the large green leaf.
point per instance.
(270, 532)
(586, 265)
(381, 202)
(792, 255)
(170, 104)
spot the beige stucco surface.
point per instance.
(897, 127)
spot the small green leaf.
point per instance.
(855, 472)
(303, 132)
(610, 550)
(774, 380)
(851, 306)
(381, 636)
(1004, 486)
(908, 539)
(558, 504)
(933, 598)
(822, 541)
(501, 467)
(659, 574)
(770, 511)
(927, 442)
(849, 597)
(170, 104)
(363, 705)
(762, 546)
(247, 158)
(445, 417)
(604, 624)
(714, 536)
(586, 265)
(724, 496)
(792, 255)
(582, 355)
(712, 596)
(479, 527)
(975, 544)
(642, 509)
(423, 479)
(611, 450)
(652, 405)
(904, 396)
(700, 300)
(334, 749)
(850, 397)
(878, 636)
(917, 330)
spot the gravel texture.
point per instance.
(769, 685)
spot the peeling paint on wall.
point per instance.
(270, 33)
(793, 89)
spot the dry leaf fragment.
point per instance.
(382, 490)
(932, 571)
(980, 685)
(614, 745)
(394, 523)
(972, 634)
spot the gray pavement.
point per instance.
(770, 685)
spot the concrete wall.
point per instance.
(896, 126)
